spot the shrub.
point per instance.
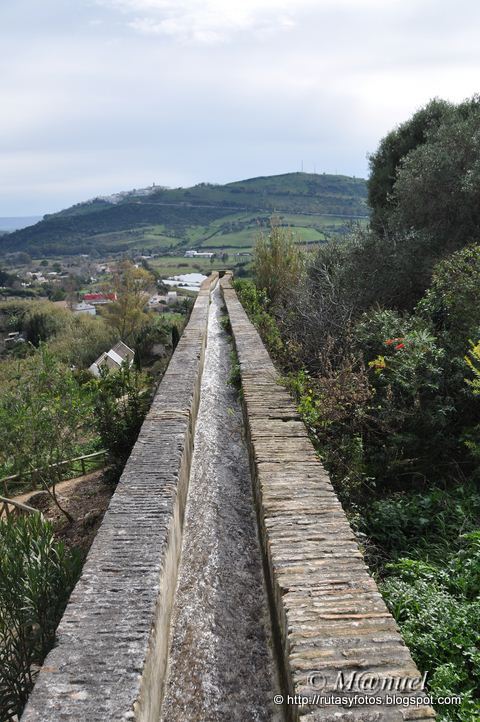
(473, 362)
(37, 575)
(154, 330)
(277, 263)
(438, 611)
(235, 376)
(425, 524)
(409, 432)
(471, 435)
(81, 339)
(256, 304)
(451, 302)
(120, 405)
(40, 326)
(333, 406)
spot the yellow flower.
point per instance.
(378, 364)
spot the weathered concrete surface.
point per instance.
(221, 664)
(329, 615)
(112, 641)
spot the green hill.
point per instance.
(206, 216)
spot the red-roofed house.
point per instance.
(97, 298)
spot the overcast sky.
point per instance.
(98, 96)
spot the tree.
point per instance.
(6, 279)
(155, 330)
(451, 302)
(127, 314)
(277, 263)
(423, 189)
(387, 159)
(437, 186)
(40, 325)
(43, 413)
(120, 407)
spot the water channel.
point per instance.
(221, 664)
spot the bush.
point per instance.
(333, 406)
(44, 413)
(235, 376)
(438, 611)
(277, 263)
(37, 575)
(154, 330)
(257, 303)
(409, 433)
(40, 326)
(426, 525)
(451, 302)
(120, 407)
(81, 339)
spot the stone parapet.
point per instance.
(109, 660)
(330, 620)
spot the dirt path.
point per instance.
(86, 498)
(64, 488)
(220, 663)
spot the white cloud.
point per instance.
(102, 95)
(209, 21)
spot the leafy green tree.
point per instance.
(127, 314)
(277, 263)
(436, 189)
(451, 301)
(120, 405)
(39, 326)
(155, 330)
(6, 279)
(43, 413)
(58, 294)
(387, 159)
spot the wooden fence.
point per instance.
(9, 507)
(82, 461)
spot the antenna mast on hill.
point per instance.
(302, 166)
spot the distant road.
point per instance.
(184, 204)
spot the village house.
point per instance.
(98, 299)
(113, 359)
(84, 307)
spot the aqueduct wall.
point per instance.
(328, 618)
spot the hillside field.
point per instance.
(220, 218)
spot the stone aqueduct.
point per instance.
(327, 618)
